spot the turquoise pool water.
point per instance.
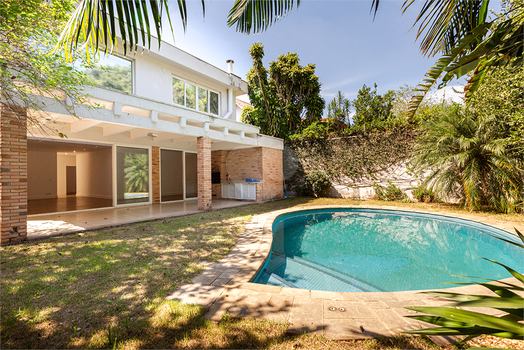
(368, 250)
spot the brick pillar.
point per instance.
(13, 175)
(204, 173)
(155, 161)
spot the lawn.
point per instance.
(107, 288)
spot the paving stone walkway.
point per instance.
(225, 287)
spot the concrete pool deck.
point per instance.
(224, 287)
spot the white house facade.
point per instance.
(167, 131)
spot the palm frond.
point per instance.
(255, 16)
(96, 24)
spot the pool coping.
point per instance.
(226, 286)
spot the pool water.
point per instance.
(368, 250)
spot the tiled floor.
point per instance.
(41, 226)
(69, 203)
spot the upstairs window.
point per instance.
(112, 72)
(195, 97)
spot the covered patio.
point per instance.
(57, 224)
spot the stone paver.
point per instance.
(226, 287)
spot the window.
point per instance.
(195, 97)
(112, 72)
(132, 175)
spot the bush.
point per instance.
(390, 193)
(316, 184)
(423, 194)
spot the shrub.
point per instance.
(423, 194)
(316, 184)
(390, 193)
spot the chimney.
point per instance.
(230, 66)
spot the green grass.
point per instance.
(107, 288)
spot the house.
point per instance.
(161, 126)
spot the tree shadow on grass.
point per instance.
(81, 290)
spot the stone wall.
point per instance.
(13, 181)
(354, 163)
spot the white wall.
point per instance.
(63, 161)
(153, 79)
(41, 175)
(94, 174)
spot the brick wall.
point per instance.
(259, 163)
(155, 162)
(13, 181)
(204, 173)
(273, 173)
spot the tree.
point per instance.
(284, 99)
(501, 97)
(457, 29)
(467, 156)
(28, 32)
(371, 108)
(339, 108)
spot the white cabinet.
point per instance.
(239, 190)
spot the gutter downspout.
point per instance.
(230, 103)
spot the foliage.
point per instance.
(371, 108)
(357, 157)
(28, 31)
(500, 97)
(315, 130)
(390, 193)
(316, 184)
(136, 170)
(114, 77)
(453, 320)
(338, 108)
(94, 24)
(467, 157)
(284, 99)
(423, 194)
(477, 50)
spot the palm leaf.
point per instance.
(442, 65)
(474, 319)
(255, 16)
(94, 24)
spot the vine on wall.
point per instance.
(357, 157)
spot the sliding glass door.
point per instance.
(132, 175)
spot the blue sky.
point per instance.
(340, 37)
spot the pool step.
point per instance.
(287, 271)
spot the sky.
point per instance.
(349, 47)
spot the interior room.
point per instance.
(67, 176)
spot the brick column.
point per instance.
(13, 175)
(155, 162)
(204, 173)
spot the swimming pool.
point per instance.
(373, 250)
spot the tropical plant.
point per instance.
(316, 184)
(468, 157)
(285, 98)
(478, 47)
(371, 108)
(389, 192)
(339, 108)
(136, 170)
(423, 194)
(453, 320)
(28, 32)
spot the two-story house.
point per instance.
(161, 126)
